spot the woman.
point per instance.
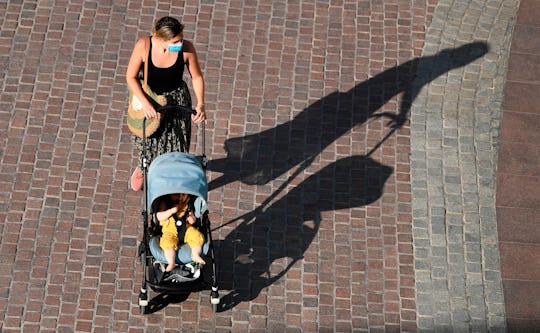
(168, 54)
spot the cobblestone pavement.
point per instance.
(327, 218)
(455, 123)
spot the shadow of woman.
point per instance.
(270, 240)
(259, 158)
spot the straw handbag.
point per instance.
(135, 114)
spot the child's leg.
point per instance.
(168, 243)
(196, 254)
(170, 256)
(195, 239)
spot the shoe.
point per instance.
(161, 266)
(167, 276)
(176, 275)
(197, 273)
(194, 269)
(137, 180)
(159, 271)
(192, 266)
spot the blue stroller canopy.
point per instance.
(178, 173)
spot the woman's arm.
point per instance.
(197, 79)
(135, 62)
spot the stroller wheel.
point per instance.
(143, 302)
(214, 299)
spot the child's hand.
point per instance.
(190, 218)
(164, 215)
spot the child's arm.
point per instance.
(164, 215)
(191, 218)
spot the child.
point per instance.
(169, 238)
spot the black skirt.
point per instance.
(174, 132)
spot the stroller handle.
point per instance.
(162, 109)
(180, 108)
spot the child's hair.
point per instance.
(166, 199)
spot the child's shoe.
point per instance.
(194, 269)
(159, 271)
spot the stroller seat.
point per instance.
(183, 255)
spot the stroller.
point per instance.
(168, 174)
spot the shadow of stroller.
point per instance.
(270, 240)
(164, 299)
(259, 158)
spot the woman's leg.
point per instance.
(136, 180)
(177, 134)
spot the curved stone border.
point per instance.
(455, 124)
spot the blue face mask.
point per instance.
(175, 48)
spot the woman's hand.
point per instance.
(149, 111)
(200, 116)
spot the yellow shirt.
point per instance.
(169, 238)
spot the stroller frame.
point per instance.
(147, 258)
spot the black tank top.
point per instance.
(163, 80)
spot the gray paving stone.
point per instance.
(463, 184)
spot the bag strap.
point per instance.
(146, 52)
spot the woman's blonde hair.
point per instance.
(167, 28)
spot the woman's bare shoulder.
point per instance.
(189, 47)
(140, 47)
(141, 42)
